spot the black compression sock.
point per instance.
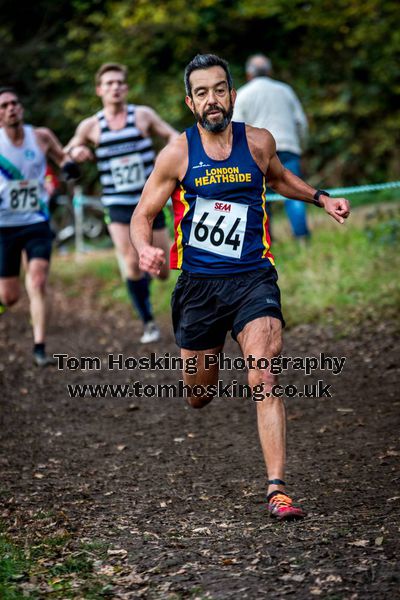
(139, 292)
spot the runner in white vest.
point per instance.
(24, 217)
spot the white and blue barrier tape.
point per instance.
(344, 191)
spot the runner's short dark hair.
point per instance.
(205, 61)
(8, 89)
(110, 67)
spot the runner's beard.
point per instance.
(215, 126)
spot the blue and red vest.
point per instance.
(221, 223)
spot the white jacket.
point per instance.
(273, 105)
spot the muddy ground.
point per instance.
(178, 495)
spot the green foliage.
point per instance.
(340, 57)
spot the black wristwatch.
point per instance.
(316, 196)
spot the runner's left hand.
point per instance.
(338, 208)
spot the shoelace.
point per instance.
(280, 500)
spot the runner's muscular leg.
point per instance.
(35, 281)
(120, 236)
(203, 376)
(263, 338)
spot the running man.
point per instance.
(24, 215)
(121, 136)
(217, 172)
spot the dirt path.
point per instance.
(181, 493)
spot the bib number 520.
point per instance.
(128, 172)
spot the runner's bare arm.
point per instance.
(170, 167)
(78, 147)
(50, 145)
(287, 184)
(152, 124)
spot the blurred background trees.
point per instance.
(341, 57)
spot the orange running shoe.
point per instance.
(280, 506)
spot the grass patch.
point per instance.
(13, 568)
(345, 274)
(49, 567)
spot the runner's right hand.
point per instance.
(151, 260)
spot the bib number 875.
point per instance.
(217, 234)
(24, 198)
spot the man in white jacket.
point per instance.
(270, 104)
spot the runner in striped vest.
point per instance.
(120, 135)
(125, 159)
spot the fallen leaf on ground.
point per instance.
(202, 530)
(334, 578)
(315, 591)
(117, 552)
(359, 543)
(107, 570)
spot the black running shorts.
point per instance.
(122, 213)
(204, 309)
(35, 239)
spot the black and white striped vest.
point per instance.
(125, 159)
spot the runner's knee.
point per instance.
(37, 281)
(132, 268)
(268, 378)
(9, 297)
(263, 378)
(200, 394)
(199, 401)
(134, 273)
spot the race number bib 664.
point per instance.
(128, 172)
(23, 195)
(219, 227)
